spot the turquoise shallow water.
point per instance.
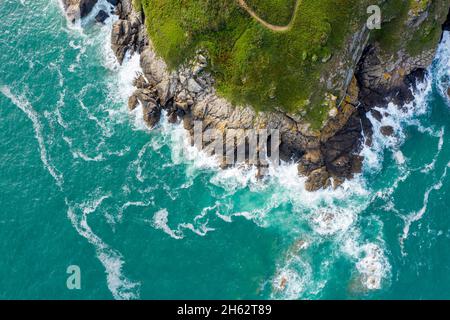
(143, 216)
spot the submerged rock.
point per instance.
(172, 118)
(376, 114)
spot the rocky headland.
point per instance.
(364, 74)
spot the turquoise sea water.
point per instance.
(144, 216)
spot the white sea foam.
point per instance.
(373, 266)
(329, 221)
(371, 262)
(292, 280)
(429, 167)
(102, 156)
(410, 116)
(296, 278)
(138, 162)
(121, 287)
(129, 204)
(399, 157)
(54, 66)
(182, 150)
(388, 191)
(330, 212)
(112, 260)
(131, 66)
(160, 221)
(81, 51)
(397, 118)
(59, 106)
(200, 230)
(22, 103)
(85, 157)
(418, 215)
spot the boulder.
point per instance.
(318, 179)
(311, 161)
(387, 131)
(187, 122)
(152, 113)
(101, 16)
(76, 9)
(376, 114)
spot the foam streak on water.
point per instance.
(25, 106)
(120, 287)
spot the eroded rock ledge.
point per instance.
(327, 157)
(188, 95)
(76, 9)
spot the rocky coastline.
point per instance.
(326, 157)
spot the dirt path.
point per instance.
(269, 26)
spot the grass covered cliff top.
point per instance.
(253, 64)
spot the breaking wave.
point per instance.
(319, 230)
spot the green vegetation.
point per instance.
(277, 12)
(267, 69)
(137, 4)
(430, 32)
(396, 34)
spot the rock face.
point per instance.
(128, 34)
(372, 77)
(76, 9)
(387, 74)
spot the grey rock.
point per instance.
(194, 86)
(151, 113)
(76, 9)
(387, 131)
(132, 102)
(121, 36)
